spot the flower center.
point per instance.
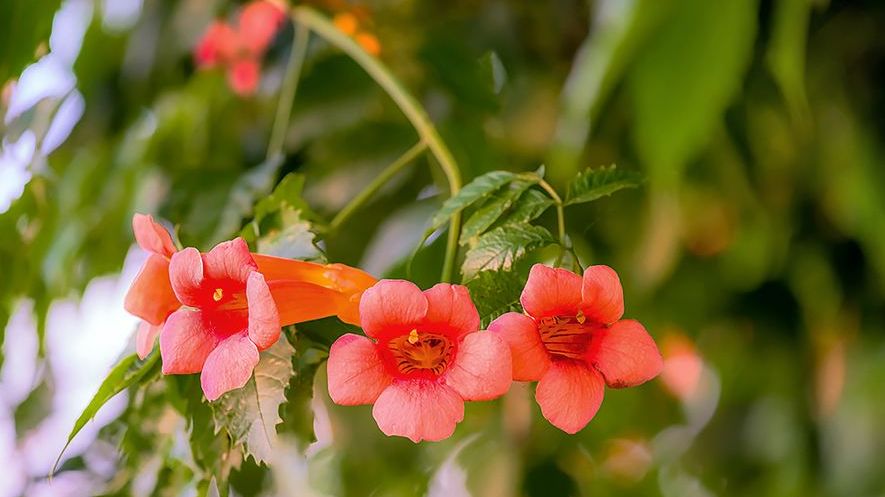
(218, 295)
(565, 336)
(418, 352)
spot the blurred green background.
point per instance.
(754, 252)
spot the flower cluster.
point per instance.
(239, 48)
(423, 353)
(215, 311)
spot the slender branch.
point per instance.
(373, 187)
(407, 104)
(287, 92)
(560, 210)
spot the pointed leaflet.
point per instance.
(126, 373)
(476, 190)
(297, 413)
(527, 208)
(592, 184)
(250, 414)
(294, 240)
(495, 293)
(500, 248)
(486, 215)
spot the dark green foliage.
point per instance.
(592, 184)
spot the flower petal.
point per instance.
(349, 309)
(392, 307)
(229, 260)
(551, 292)
(356, 373)
(145, 337)
(482, 369)
(418, 410)
(569, 394)
(185, 342)
(264, 320)
(625, 354)
(229, 366)
(297, 301)
(603, 296)
(529, 357)
(186, 275)
(152, 236)
(151, 297)
(449, 308)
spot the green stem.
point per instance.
(287, 92)
(407, 104)
(365, 195)
(564, 244)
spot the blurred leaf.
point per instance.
(592, 184)
(495, 293)
(486, 215)
(531, 204)
(478, 189)
(126, 373)
(297, 413)
(684, 79)
(495, 73)
(501, 247)
(31, 411)
(787, 52)
(253, 184)
(250, 414)
(25, 26)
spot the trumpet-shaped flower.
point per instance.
(572, 340)
(423, 357)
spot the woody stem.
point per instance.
(413, 111)
(287, 93)
(373, 187)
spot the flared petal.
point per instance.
(355, 371)
(551, 292)
(229, 366)
(281, 268)
(391, 308)
(152, 236)
(186, 275)
(625, 354)
(185, 342)
(264, 320)
(349, 308)
(529, 357)
(350, 280)
(145, 337)
(569, 394)
(418, 410)
(229, 261)
(151, 297)
(482, 369)
(603, 296)
(449, 308)
(298, 302)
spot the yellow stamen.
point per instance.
(581, 317)
(413, 337)
(218, 295)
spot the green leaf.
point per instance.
(294, 240)
(530, 205)
(129, 371)
(486, 215)
(592, 184)
(255, 183)
(298, 414)
(685, 77)
(495, 293)
(250, 414)
(476, 190)
(288, 193)
(500, 248)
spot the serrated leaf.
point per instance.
(592, 184)
(531, 204)
(250, 414)
(295, 240)
(287, 194)
(485, 216)
(129, 371)
(479, 188)
(298, 414)
(500, 248)
(495, 293)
